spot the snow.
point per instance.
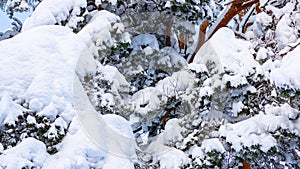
(212, 144)
(59, 122)
(237, 107)
(262, 21)
(262, 2)
(262, 54)
(285, 34)
(119, 124)
(256, 130)
(168, 157)
(35, 105)
(198, 68)
(49, 111)
(286, 75)
(278, 12)
(235, 80)
(1, 148)
(168, 4)
(149, 97)
(53, 50)
(113, 2)
(51, 12)
(30, 120)
(196, 151)
(9, 111)
(77, 151)
(109, 138)
(115, 162)
(206, 91)
(233, 56)
(173, 85)
(30, 152)
(32, 74)
(171, 159)
(180, 1)
(284, 110)
(112, 75)
(172, 132)
(246, 134)
(45, 71)
(80, 151)
(144, 40)
(23, 5)
(17, 66)
(207, 145)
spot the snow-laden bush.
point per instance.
(236, 104)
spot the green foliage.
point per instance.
(190, 10)
(114, 55)
(11, 135)
(10, 7)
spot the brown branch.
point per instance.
(95, 7)
(291, 49)
(168, 34)
(235, 7)
(246, 165)
(165, 116)
(245, 27)
(240, 36)
(181, 41)
(185, 48)
(257, 8)
(246, 23)
(201, 39)
(238, 2)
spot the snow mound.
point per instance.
(29, 153)
(118, 81)
(212, 144)
(112, 133)
(168, 157)
(287, 75)
(31, 72)
(51, 12)
(119, 124)
(224, 52)
(144, 40)
(257, 130)
(77, 151)
(9, 110)
(42, 73)
(150, 98)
